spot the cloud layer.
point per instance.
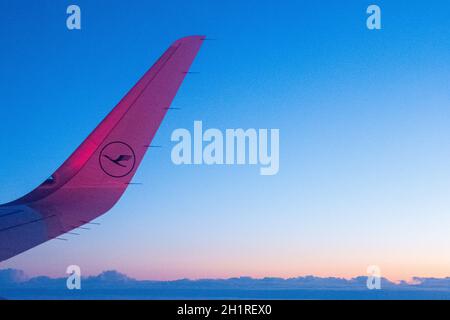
(14, 284)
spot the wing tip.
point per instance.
(189, 39)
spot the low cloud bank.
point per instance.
(15, 284)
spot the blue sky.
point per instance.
(363, 118)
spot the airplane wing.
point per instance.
(95, 176)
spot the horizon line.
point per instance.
(409, 281)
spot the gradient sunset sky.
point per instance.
(364, 119)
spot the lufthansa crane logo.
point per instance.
(117, 159)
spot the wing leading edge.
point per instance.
(96, 175)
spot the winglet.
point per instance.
(137, 116)
(95, 176)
